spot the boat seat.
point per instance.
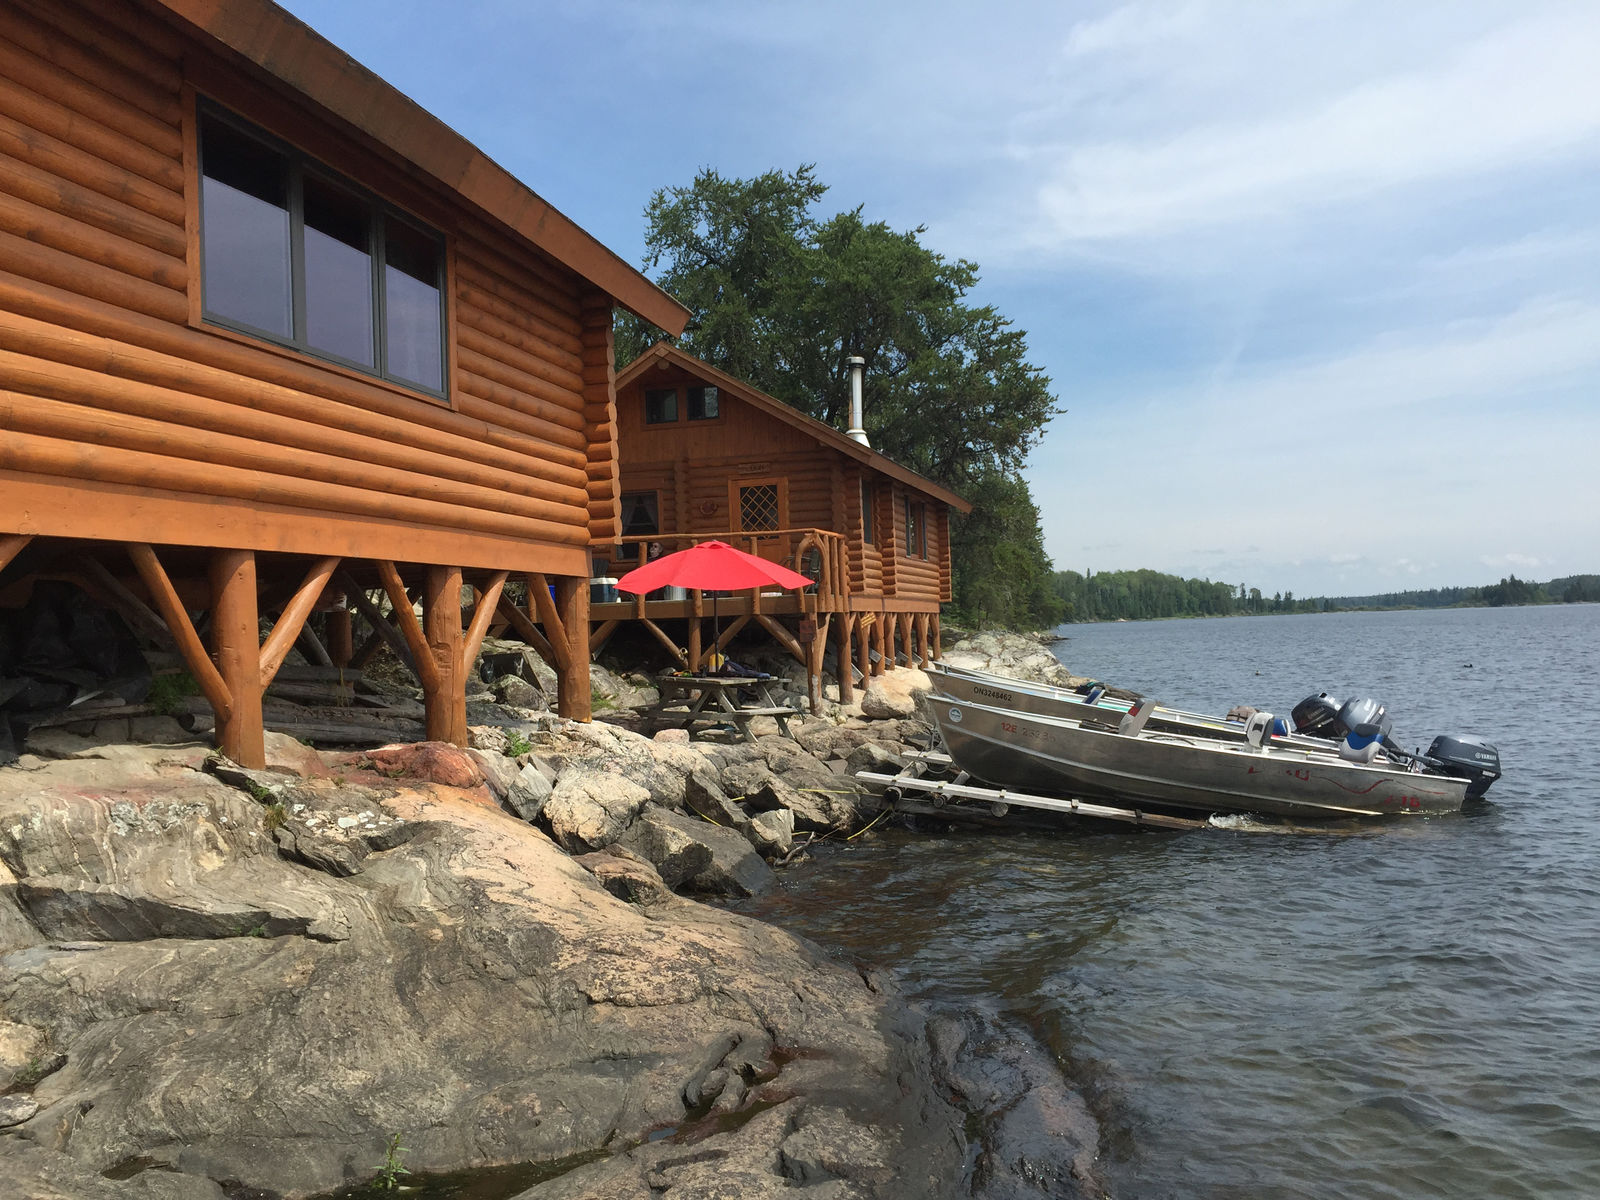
(1131, 724)
(1258, 729)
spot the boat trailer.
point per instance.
(931, 785)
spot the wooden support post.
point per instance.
(341, 637)
(880, 637)
(938, 646)
(573, 698)
(446, 699)
(864, 647)
(287, 631)
(891, 640)
(814, 652)
(696, 612)
(235, 630)
(405, 621)
(165, 598)
(11, 545)
(483, 614)
(847, 683)
(905, 639)
(922, 640)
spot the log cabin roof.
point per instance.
(301, 59)
(665, 352)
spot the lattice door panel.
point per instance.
(758, 507)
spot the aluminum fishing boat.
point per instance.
(1036, 753)
(1042, 699)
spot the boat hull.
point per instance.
(1011, 749)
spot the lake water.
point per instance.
(1408, 1010)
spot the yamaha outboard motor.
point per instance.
(1315, 716)
(1469, 758)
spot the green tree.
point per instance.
(780, 297)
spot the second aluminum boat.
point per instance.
(1053, 755)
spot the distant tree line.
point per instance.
(1149, 595)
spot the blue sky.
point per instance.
(1317, 281)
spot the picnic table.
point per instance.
(690, 700)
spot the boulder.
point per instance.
(529, 792)
(870, 756)
(670, 843)
(518, 693)
(431, 762)
(498, 771)
(626, 875)
(589, 808)
(895, 693)
(773, 832)
(23, 1050)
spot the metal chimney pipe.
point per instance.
(858, 367)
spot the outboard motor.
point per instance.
(1315, 716)
(1469, 758)
(1366, 711)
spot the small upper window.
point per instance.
(703, 403)
(291, 252)
(660, 406)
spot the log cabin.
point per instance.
(705, 456)
(274, 340)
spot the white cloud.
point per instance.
(1525, 91)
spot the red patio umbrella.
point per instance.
(714, 566)
(711, 566)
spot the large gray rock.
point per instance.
(227, 1013)
(1015, 655)
(589, 808)
(706, 857)
(669, 843)
(529, 792)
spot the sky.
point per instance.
(1316, 282)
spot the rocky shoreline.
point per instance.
(217, 982)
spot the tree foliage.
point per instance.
(780, 298)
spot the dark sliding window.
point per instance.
(703, 403)
(292, 252)
(660, 406)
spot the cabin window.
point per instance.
(641, 517)
(703, 403)
(916, 532)
(759, 508)
(868, 532)
(660, 406)
(294, 253)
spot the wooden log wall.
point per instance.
(188, 435)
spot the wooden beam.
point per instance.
(786, 639)
(601, 634)
(11, 545)
(311, 646)
(525, 629)
(864, 647)
(847, 670)
(573, 697)
(482, 615)
(543, 605)
(383, 628)
(406, 621)
(287, 630)
(446, 698)
(132, 609)
(672, 647)
(727, 635)
(236, 630)
(165, 598)
(697, 608)
(341, 637)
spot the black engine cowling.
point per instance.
(1316, 715)
(1465, 757)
